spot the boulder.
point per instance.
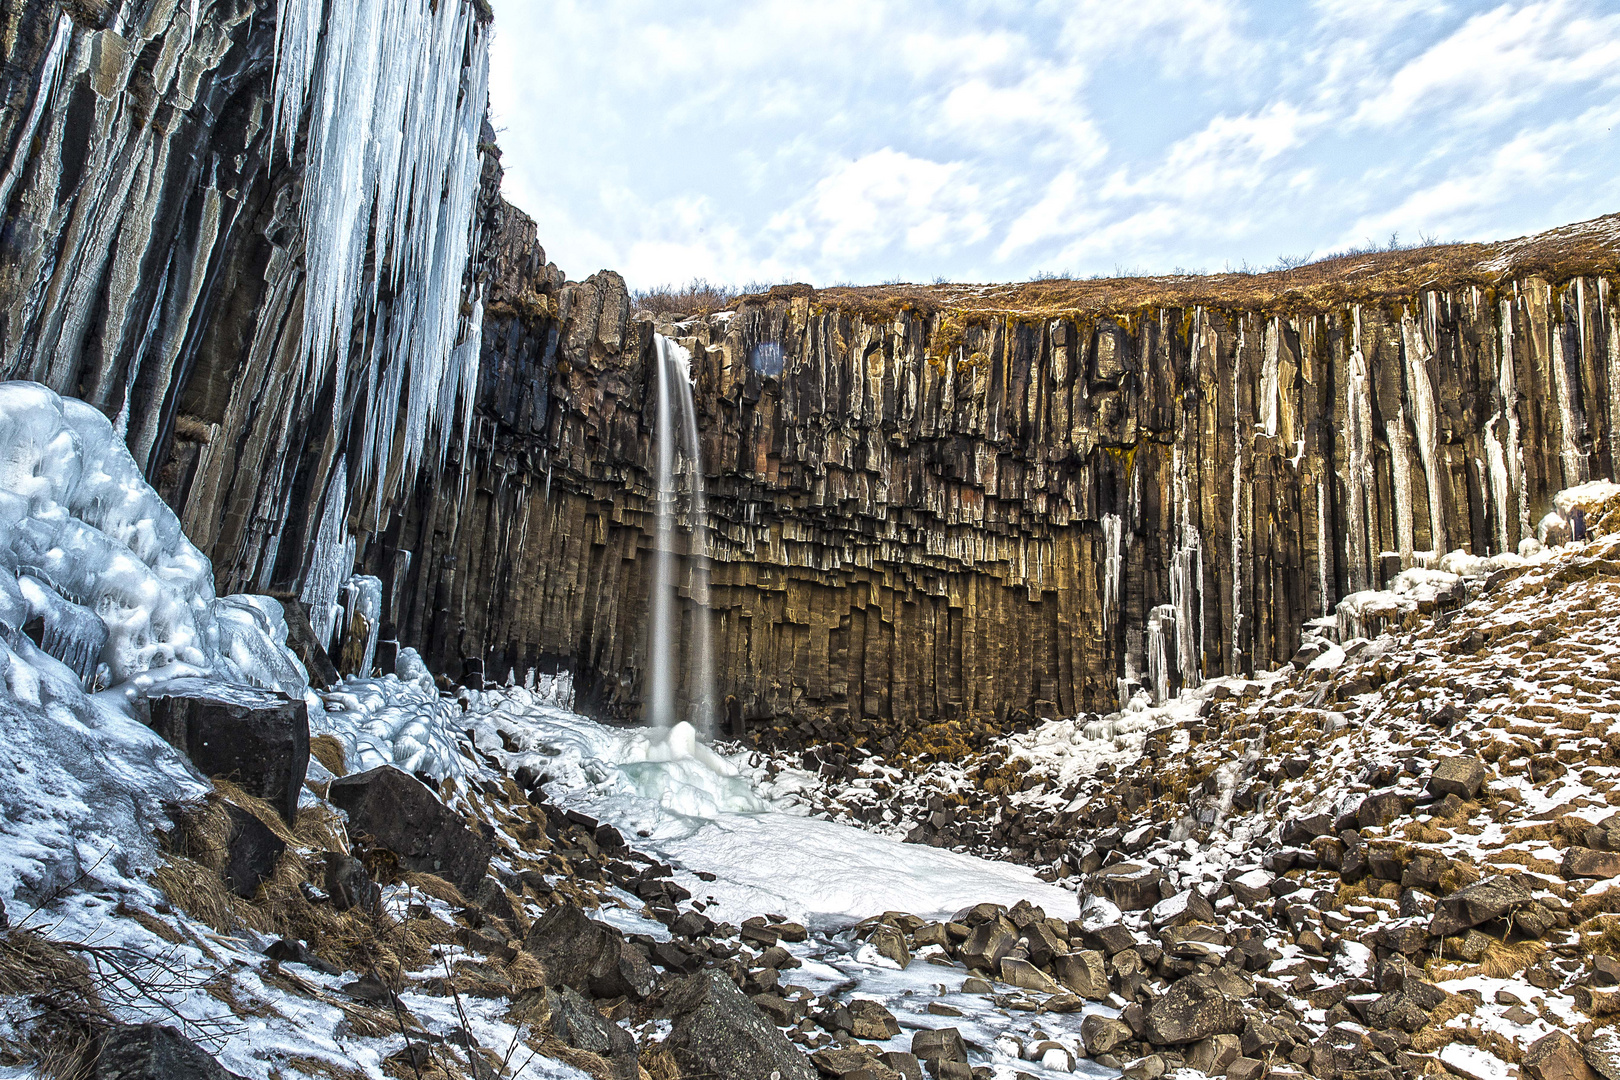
(1195, 1008)
(1246, 1068)
(252, 852)
(587, 955)
(1406, 1007)
(1131, 886)
(1103, 1034)
(1555, 1056)
(871, 1020)
(1603, 1055)
(1379, 810)
(153, 1052)
(989, 942)
(1083, 972)
(577, 1022)
(348, 883)
(1476, 904)
(394, 810)
(1211, 1056)
(1459, 776)
(856, 1062)
(716, 1031)
(939, 1045)
(1580, 862)
(891, 943)
(903, 1063)
(1300, 831)
(257, 739)
(1026, 976)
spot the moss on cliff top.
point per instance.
(1589, 247)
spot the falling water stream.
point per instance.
(675, 395)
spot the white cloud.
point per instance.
(882, 200)
(1499, 61)
(987, 139)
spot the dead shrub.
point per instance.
(328, 750)
(192, 879)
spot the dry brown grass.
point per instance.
(191, 878)
(1332, 283)
(328, 750)
(435, 886)
(64, 1006)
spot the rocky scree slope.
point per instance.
(1391, 856)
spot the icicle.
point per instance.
(1187, 579)
(1270, 393)
(1322, 543)
(1426, 421)
(1113, 566)
(332, 558)
(395, 92)
(1159, 662)
(1571, 456)
(50, 73)
(1359, 434)
(73, 634)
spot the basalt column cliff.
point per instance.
(285, 270)
(951, 501)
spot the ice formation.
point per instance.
(100, 590)
(82, 534)
(398, 720)
(696, 808)
(395, 93)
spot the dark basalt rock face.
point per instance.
(959, 502)
(152, 259)
(923, 514)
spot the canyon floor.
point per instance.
(1397, 854)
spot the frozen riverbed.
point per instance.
(695, 809)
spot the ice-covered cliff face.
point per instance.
(244, 227)
(972, 501)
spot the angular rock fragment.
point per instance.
(257, 739)
(587, 955)
(397, 812)
(1555, 1056)
(1580, 862)
(1196, 1007)
(1478, 903)
(153, 1052)
(716, 1031)
(1459, 776)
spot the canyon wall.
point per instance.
(929, 504)
(188, 194)
(926, 502)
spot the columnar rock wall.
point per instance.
(928, 512)
(153, 262)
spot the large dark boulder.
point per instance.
(717, 1032)
(153, 1052)
(587, 955)
(1477, 904)
(578, 1023)
(257, 739)
(1195, 1008)
(252, 851)
(394, 810)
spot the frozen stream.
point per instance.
(680, 801)
(676, 799)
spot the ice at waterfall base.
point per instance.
(674, 797)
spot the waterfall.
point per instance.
(675, 394)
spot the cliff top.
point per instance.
(1587, 247)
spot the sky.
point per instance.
(871, 141)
